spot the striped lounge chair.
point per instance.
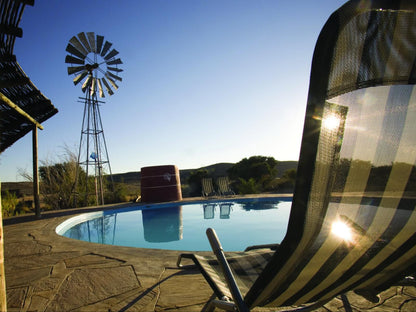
(353, 219)
(207, 187)
(224, 186)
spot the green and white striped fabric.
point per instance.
(207, 187)
(224, 186)
(353, 219)
(356, 190)
(246, 267)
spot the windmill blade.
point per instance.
(113, 53)
(78, 45)
(83, 38)
(75, 69)
(86, 83)
(112, 82)
(100, 88)
(74, 51)
(81, 76)
(114, 76)
(118, 70)
(93, 86)
(115, 62)
(73, 60)
(107, 87)
(99, 40)
(107, 46)
(91, 41)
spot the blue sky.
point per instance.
(203, 82)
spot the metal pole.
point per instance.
(78, 169)
(87, 160)
(98, 161)
(107, 160)
(35, 172)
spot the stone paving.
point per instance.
(47, 272)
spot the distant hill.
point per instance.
(18, 188)
(215, 170)
(283, 166)
(128, 177)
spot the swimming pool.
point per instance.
(239, 223)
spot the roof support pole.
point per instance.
(3, 301)
(35, 171)
(36, 125)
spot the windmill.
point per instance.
(94, 65)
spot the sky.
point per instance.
(204, 81)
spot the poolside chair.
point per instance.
(224, 186)
(207, 187)
(353, 219)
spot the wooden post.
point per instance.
(3, 300)
(35, 172)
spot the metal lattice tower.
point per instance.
(88, 57)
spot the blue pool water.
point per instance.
(239, 223)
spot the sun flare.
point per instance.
(342, 230)
(331, 122)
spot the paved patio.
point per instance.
(47, 272)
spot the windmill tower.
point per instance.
(94, 63)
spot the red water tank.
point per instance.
(160, 184)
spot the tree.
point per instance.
(255, 167)
(260, 170)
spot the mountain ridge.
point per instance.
(215, 170)
(133, 177)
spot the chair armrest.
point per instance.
(271, 246)
(229, 277)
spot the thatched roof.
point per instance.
(15, 87)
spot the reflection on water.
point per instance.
(260, 205)
(209, 211)
(240, 224)
(162, 225)
(99, 230)
(159, 225)
(225, 208)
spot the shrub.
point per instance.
(248, 186)
(119, 194)
(9, 203)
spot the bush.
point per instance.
(287, 182)
(9, 203)
(119, 194)
(248, 186)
